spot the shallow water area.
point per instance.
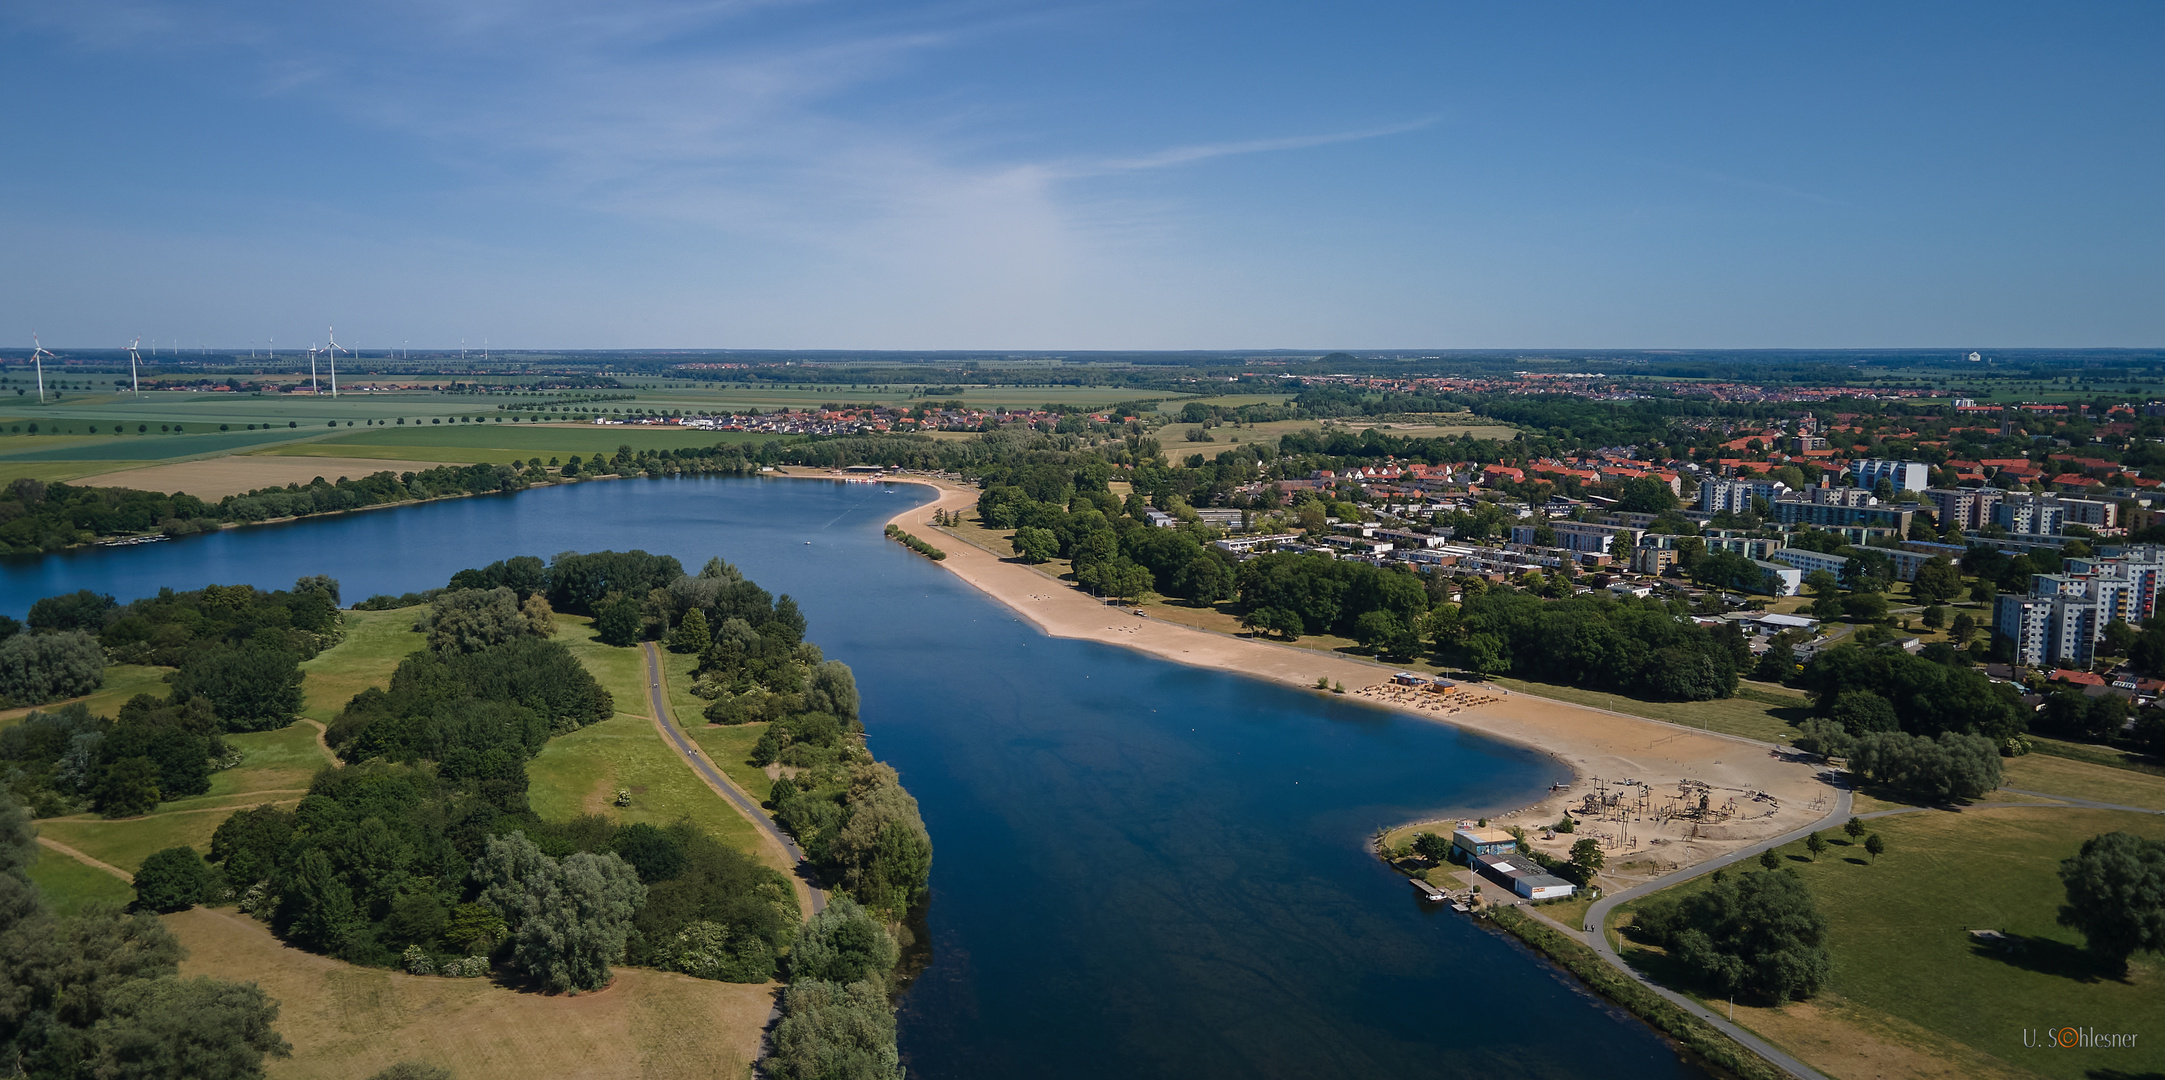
(1141, 868)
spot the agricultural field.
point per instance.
(1914, 993)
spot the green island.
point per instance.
(303, 822)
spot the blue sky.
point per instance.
(738, 173)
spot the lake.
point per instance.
(1141, 869)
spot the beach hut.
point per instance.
(1407, 678)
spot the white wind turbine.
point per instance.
(313, 386)
(331, 333)
(135, 384)
(38, 353)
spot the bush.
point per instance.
(1950, 767)
(833, 1031)
(843, 944)
(174, 880)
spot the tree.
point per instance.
(1938, 580)
(540, 617)
(1036, 545)
(1854, 827)
(1380, 631)
(618, 618)
(1954, 766)
(128, 788)
(470, 620)
(843, 944)
(834, 1031)
(80, 610)
(1769, 860)
(1935, 616)
(1984, 593)
(201, 1028)
(1875, 846)
(1433, 847)
(1961, 628)
(1756, 933)
(2119, 638)
(691, 635)
(2116, 895)
(576, 919)
(1587, 859)
(37, 668)
(174, 879)
(1647, 495)
(1815, 845)
(251, 688)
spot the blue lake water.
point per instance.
(1142, 869)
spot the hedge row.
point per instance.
(915, 544)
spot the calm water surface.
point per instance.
(1141, 869)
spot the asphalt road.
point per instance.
(665, 719)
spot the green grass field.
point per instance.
(375, 642)
(67, 884)
(276, 768)
(1898, 932)
(578, 773)
(122, 681)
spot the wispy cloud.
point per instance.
(1188, 155)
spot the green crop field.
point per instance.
(1898, 931)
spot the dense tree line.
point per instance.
(1867, 689)
(99, 994)
(1644, 647)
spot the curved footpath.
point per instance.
(813, 900)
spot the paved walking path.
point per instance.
(1597, 916)
(665, 722)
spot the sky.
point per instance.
(827, 174)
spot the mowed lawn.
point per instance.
(276, 767)
(68, 884)
(2084, 780)
(375, 642)
(349, 1023)
(1908, 974)
(122, 681)
(580, 773)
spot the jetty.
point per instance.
(1428, 892)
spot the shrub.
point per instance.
(175, 879)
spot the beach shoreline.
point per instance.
(1754, 790)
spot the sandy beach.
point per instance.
(1752, 790)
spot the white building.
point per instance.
(1903, 475)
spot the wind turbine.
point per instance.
(136, 384)
(313, 385)
(274, 349)
(331, 333)
(38, 353)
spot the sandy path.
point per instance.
(1592, 744)
(95, 864)
(216, 478)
